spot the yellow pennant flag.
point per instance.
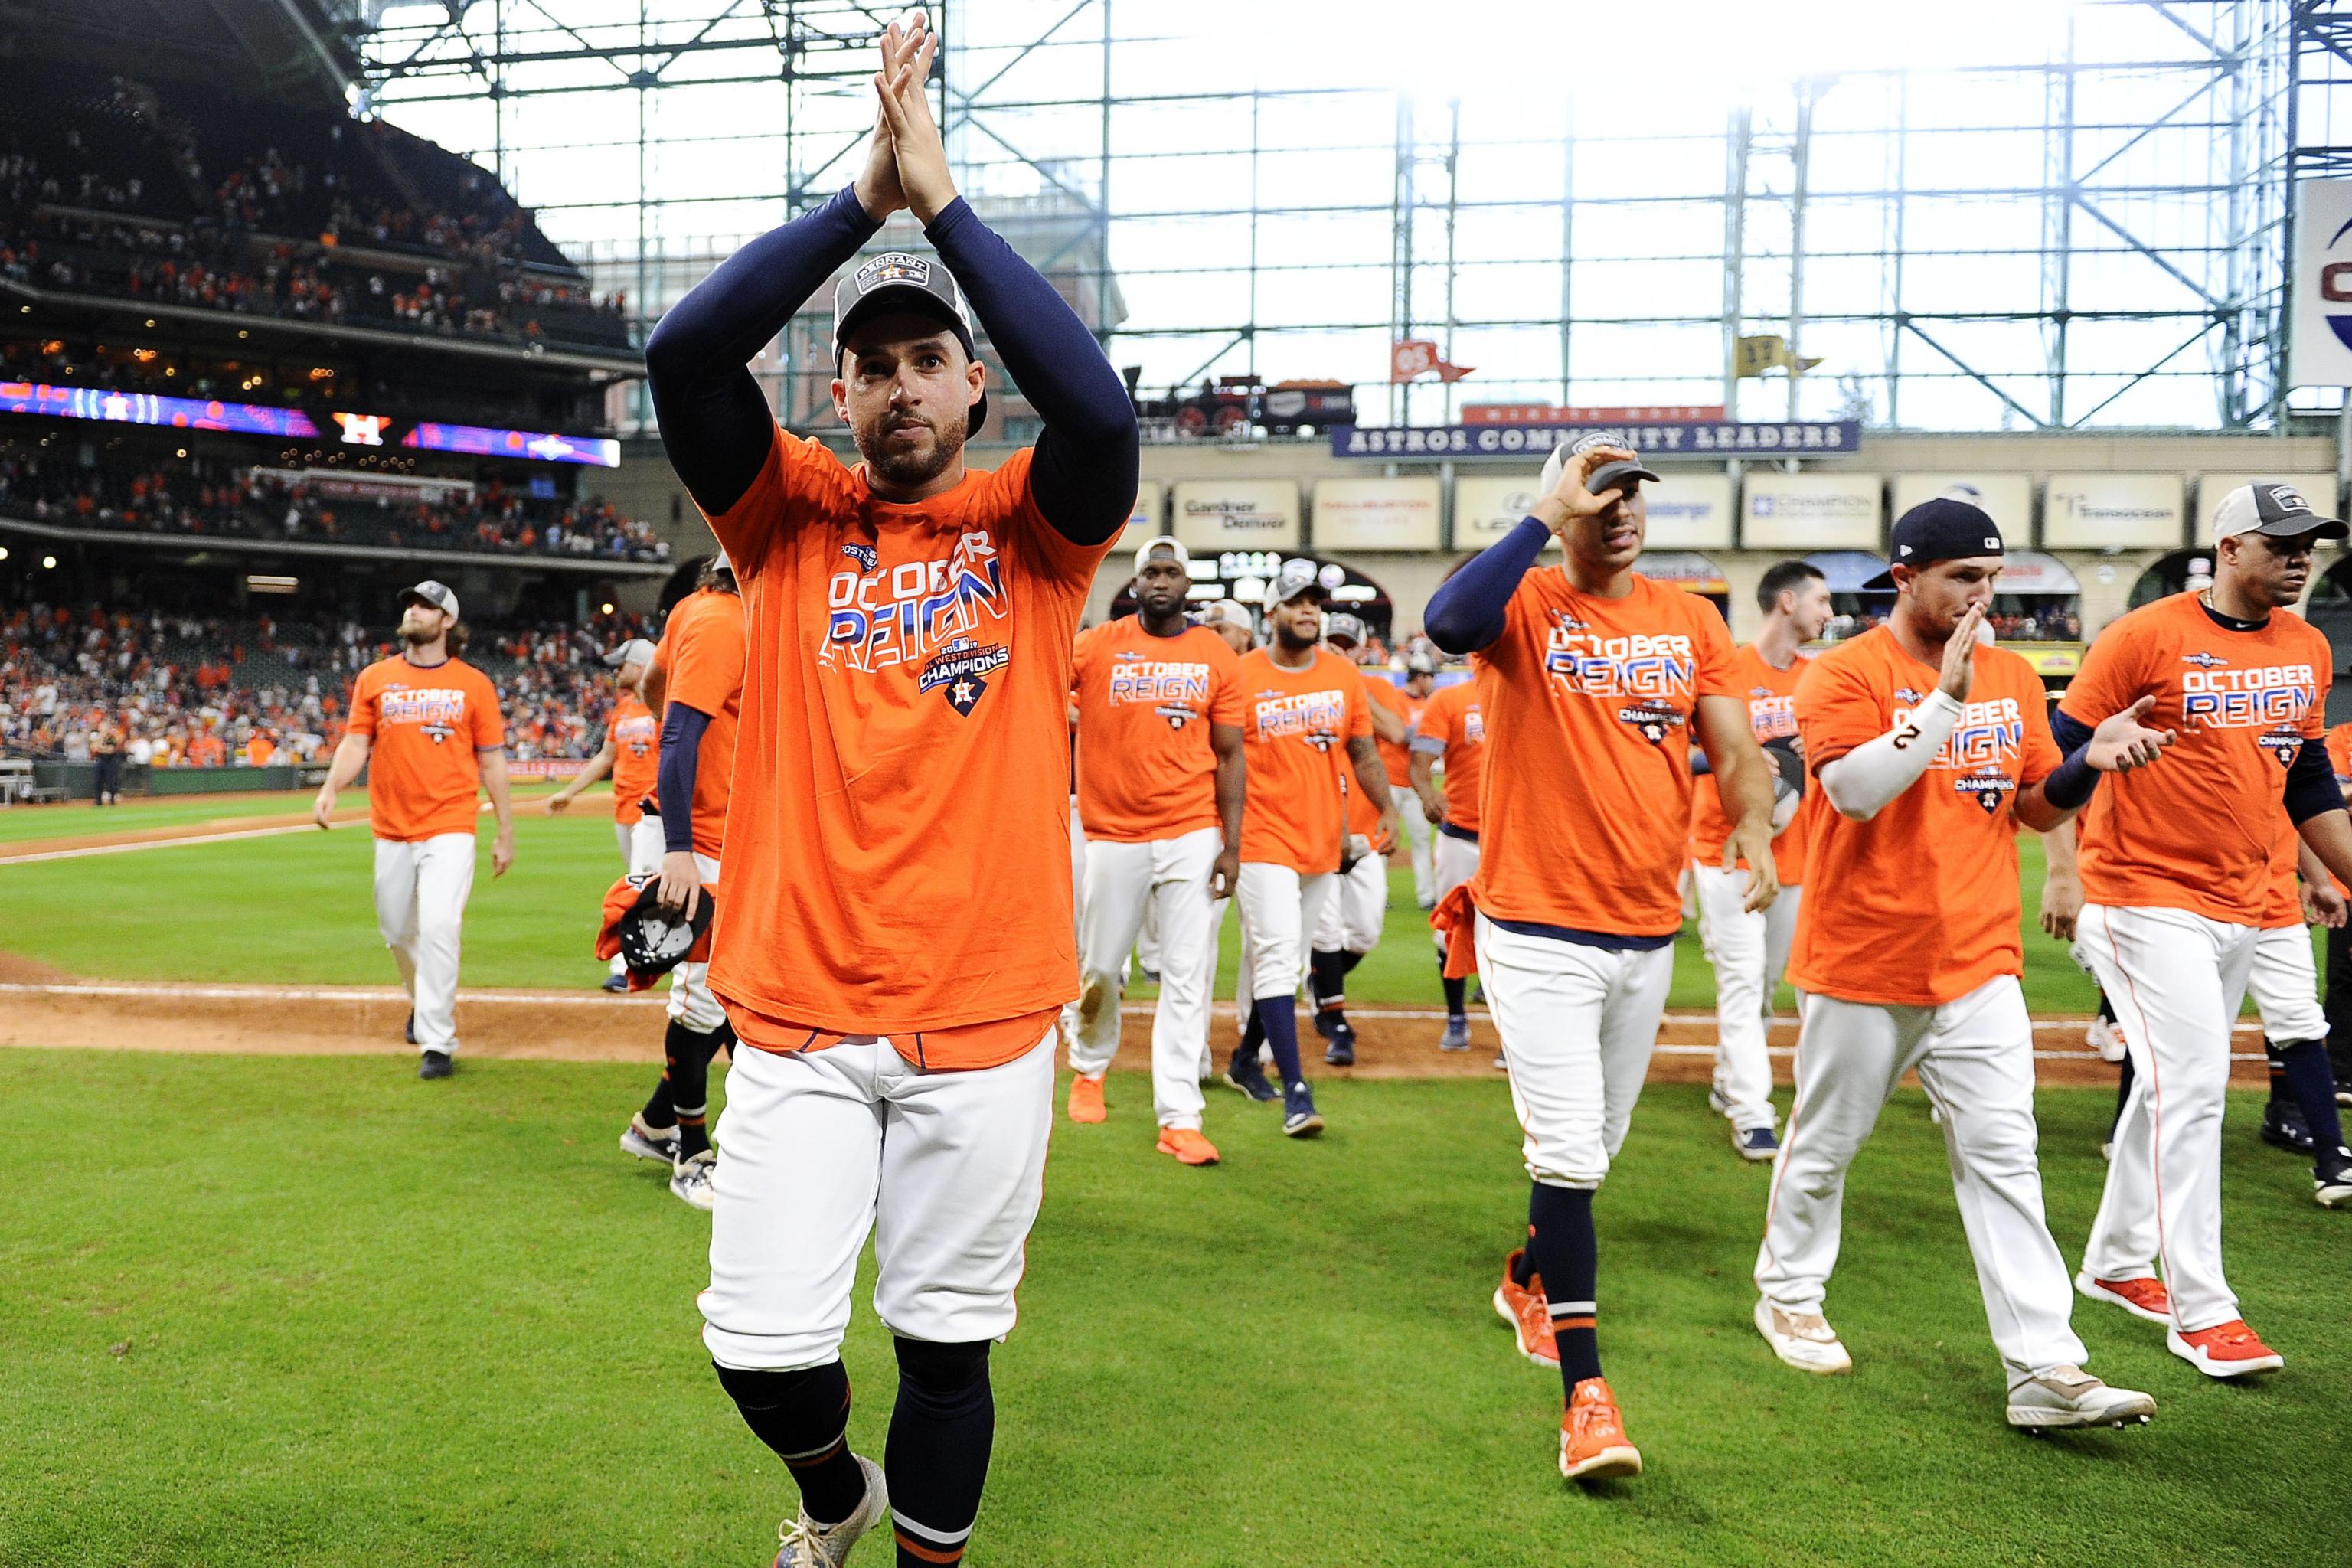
(1754, 356)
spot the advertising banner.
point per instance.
(1811, 512)
(1703, 438)
(2319, 289)
(2007, 499)
(1237, 514)
(2102, 512)
(1377, 514)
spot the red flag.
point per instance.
(1413, 358)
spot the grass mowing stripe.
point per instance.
(311, 1311)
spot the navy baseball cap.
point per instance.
(917, 285)
(1940, 530)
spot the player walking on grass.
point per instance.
(2175, 875)
(1451, 735)
(1595, 677)
(426, 727)
(1349, 926)
(1420, 831)
(1305, 718)
(1160, 784)
(895, 940)
(1928, 752)
(631, 755)
(1750, 949)
(700, 665)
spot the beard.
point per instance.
(1292, 639)
(908, 469)
(415, 635)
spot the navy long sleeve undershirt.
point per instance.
(1468, 611)
(715, 422)
(681, 753)
(2310, 786)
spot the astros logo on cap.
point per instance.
(894, 266)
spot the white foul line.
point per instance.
(7, 860)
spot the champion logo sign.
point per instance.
(961, 672)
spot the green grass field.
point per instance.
(302, 915)
(288, 1311)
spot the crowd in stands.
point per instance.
(138, 214)
(2058, 622)
(186, 691)
(199, 496)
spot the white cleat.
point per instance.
(1804, 1340)
(689, 1180)
(2068, 1396)
(649, 1142)
(807, 1545)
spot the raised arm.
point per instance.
(1084, 474)
(1468, 611)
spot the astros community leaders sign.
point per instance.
(1686, 439)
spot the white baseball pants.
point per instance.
(945, 1169)
(1420, 837)
(1748, 950)
(1578, 1026)
(1067, 1025)
(1974, 1056)
(690, 1001)
(2284, 983)
(1452, 861)
(2176, 980)
(1123, 881)
(1351, 917)
(1240, 981)
(1279, 906)
(421, 887)
(641, 855)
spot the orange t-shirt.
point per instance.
(636, 757)
(899, 857)
(1588, 704)
(705, 639)
(207, 752)
(1918, 906)
(2339, 758)
(1452, 723)
(425, 724)
(1295, 725)
(1396, 755)
(2195, 831)
(1771, 697)
(1146, 769)
(259, 751)
(2282, 901)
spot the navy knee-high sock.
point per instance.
(1560, 1243)
(1326, 979)
(1278, 1017)
(688, 1073)
(805, 1418)
(2309, 1079)
(942, 1432)
(1455, 990)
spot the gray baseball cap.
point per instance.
(1299, 576)
(637, 650)
(1621, 475)
(918, 285)
(436, 594)
(1344, 625)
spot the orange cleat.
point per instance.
(1592, 1445)
(2143, 1297)
(1530, 1315)
(1087, 1099)
(1186, 1143)
(2225, 1349)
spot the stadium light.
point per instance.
(3, 552)
(48, 563)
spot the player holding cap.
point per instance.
(895, 939)
(426, 726)
(1595, 678)
(631, 755)
(1749, 949)
(2174, 882)
(1301, 701)
(1160, 784)
(1349, 926)
(1452, 734)
(1930, 750)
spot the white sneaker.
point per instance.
(649, 1142)
(805, 1544)
(2104, 1038)
(689, 1180)
(1804, 1340)
(2069, 1396)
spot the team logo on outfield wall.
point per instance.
(962, 671)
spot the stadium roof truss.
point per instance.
(2087, 227)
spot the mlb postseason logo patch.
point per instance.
(1654, 722)
(1989, 785)
(961, 672)
(893, 266)
(866, 556)
(2288, 499)
(2283, 742)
